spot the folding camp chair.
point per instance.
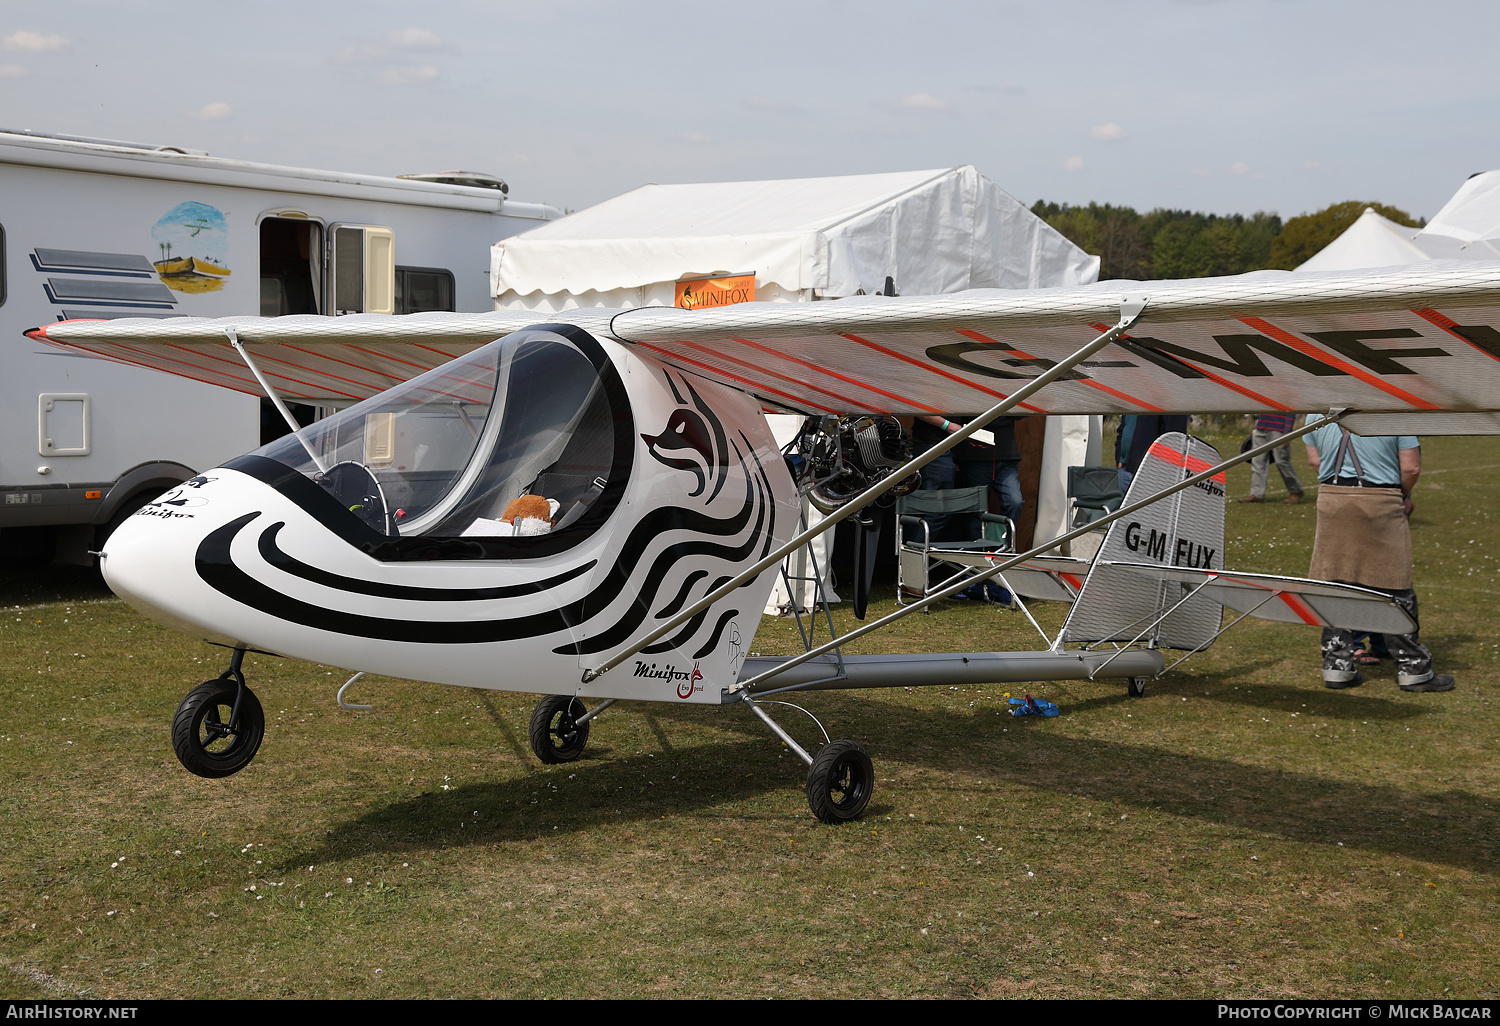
(1095, 491)
(917, 553)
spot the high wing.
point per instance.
(1423, 340)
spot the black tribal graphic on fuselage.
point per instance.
(692, 433)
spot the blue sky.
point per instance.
(1230, 106)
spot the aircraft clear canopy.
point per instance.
(444, 454)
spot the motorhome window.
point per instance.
(529, 415)
(4, 270)
(290, 266)
(348, 270)
(420, 289)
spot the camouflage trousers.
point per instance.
(1413, 660)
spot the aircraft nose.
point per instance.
(150, 559)
(143, 558)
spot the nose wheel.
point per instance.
(219, 725)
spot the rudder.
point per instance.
(1183, 529)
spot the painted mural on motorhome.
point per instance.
(193, 242)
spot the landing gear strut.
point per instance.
(219, 725)
(840, 778)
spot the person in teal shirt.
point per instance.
(1364, 538)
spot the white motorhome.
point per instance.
(100, 229)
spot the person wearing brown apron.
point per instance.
(1364, 538)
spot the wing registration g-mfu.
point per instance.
(594, 509)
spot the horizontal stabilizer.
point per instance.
(1288, 599)
(1050, 578)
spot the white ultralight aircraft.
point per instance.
(594, 509)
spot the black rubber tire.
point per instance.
(200, 734)
(1135, 687)
(840, 782)
(555, 737)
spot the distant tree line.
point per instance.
(1186, 244)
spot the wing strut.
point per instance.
(271, 392)
(1131, 308)
(999, 568)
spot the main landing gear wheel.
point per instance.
(207, 736)
(840, 782)
(1136, 686)
(556, 734)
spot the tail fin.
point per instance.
(1184, 529)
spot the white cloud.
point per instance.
(415, 39)
(1199, 172)
(1074, 163)
(923, 102)
(414, 75)
(13, 71)
(216, 111)
(387, 49)
(1314, 165)
(359, 53)
(697, 137)
(1109, 132)
(1239, 167)
(34, 42)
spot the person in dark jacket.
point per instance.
(1137, 432)
(971, 464)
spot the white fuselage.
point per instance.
(239, 561)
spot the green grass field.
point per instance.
(1239, 831)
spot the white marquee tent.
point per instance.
(1467, 228)
(807, 238)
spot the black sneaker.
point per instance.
(1437, 682)
(1338, 685)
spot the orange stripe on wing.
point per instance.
(209, 355)
(934, 370)
(1178, 459)
(836, 374)
(1449, 325)
(756, 368)
(386, 356)
(346, 363)
(1306, 348)
(978, 337)
(755, 386)
(1299, 607)
(1211, 376)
